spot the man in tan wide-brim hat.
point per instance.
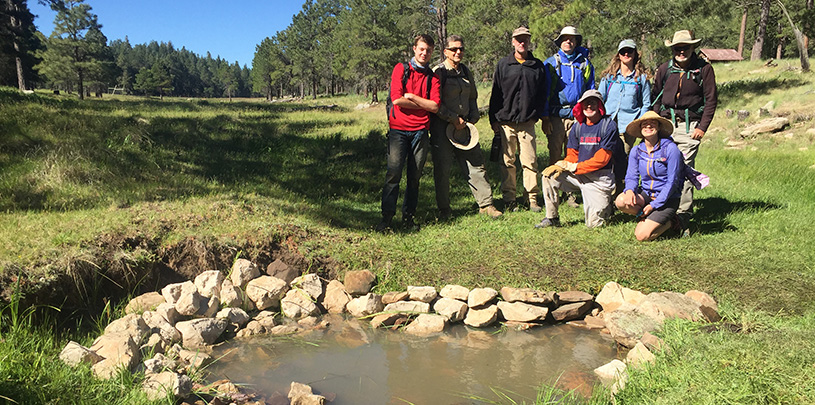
(687, 96)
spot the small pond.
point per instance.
(360, 365)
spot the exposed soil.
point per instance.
(120, 265)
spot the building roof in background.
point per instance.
(721, 55)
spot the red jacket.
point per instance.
(409, 119)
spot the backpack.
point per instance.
(693, 74)
(636, 84)
(405, 75)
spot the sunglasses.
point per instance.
(681, 48)
(626, 51)
(455, 49)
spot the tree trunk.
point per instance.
(15, 24)
(742, 31)
(441, 16)
(780, 48)
(762, 30)
(80, 84)
(799, 40)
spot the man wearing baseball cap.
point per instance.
(686, 95)
(520, 90)
(588, 166)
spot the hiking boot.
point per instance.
(409, 225)
(384, 225)
(533, 205)
(511, 206)
(571, 200)
(445, 214)
(490, 211)
(547, 222)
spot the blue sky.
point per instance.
(230, 29)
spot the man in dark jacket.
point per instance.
(686, 94)
(519, 96)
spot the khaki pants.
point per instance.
(557, 139)
(519, 139)
(689, 147)
(596, 188)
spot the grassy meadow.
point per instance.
(308, 174)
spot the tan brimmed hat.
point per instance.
(569, 30)
(665, 127)
(682, 37)
(590, 93)
(521, 31)
(465, 138)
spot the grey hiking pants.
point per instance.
(596, 188)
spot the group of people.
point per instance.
(591, 130)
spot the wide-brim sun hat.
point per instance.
(465, 138)
(635, 127)
(569, 30)
(590, 93)
(627, 43)
(682, 37)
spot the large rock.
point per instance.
(612, 375)
(570, 312)
(172, 292)
(568, 297)
(479, 318)
(209, 283)
(455, 292)
(661, 306)
(158, 324)
(298, 304)
(132, 324)
(528, 295)
(365, 305)
(145, 302)
(408, 307)
(301, 394)
(639, 356)
(189, 304)
(283, 271)
(627, 324)
(266, 291)
(423, 293)
(311, 284)
(480, 297)
(235, 316)
(522, 312)
(452, 309)
(201, 332)
(231, 296)
(426, 324)
(118, 351)
(159, 386)
(359, 282)
(74, 353)
(385, 320)
(612, 296)
(768, 125)
(243, 271)
(707, 305)
(394, 296)
(169, 313)
(335, 298)
(159, 363)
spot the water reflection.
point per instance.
(361, 365)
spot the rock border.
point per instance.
(179, 324)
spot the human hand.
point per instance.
(460, 124)
(568, 166)
(546, 125)
(552, 171)
(647, 210)
(630, 198)
(697, 134)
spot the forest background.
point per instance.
(350, 46)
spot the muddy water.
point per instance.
(364, 366)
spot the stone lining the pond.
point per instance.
(180, 324)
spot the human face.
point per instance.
(454, 52)
(568, 44)
(591, 108)
(649, 128)
(521, 44)
(422, 52)
(627, 55)
(682, 52)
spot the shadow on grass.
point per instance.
(712, 214)
(738, 88)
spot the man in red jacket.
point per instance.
(414, 98)
(686, 95)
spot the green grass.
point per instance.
(76, 175)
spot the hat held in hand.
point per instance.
(465, 138)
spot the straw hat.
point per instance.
(465, 138)
(569, 30)
(682, 37)
(664, 129)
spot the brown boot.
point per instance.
(533, 204)
(490, 211)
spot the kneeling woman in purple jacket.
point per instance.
(653, 181)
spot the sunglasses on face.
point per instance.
(455, 49)
(626, 51)
(681, 48)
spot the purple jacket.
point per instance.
(660, 172)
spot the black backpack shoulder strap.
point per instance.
(405, 75)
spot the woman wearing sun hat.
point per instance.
(653, 182)
(625, 89)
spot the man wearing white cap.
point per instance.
(453, 135)
(572, 75)
(588, 166)
(520, 90)
(686, 95)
